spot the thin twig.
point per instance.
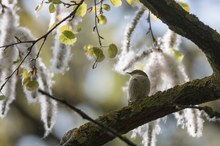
(38, 53)
(68, 5)
(19, 42)
(95, 63)
(96, 25)
(9, 77)
(65, 4)
(150, 27)
(85, 116)
(33, 42)
(95, 28)
(101, 9)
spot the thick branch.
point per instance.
(151, 108)
(161, 104)
(190, 27)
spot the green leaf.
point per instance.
(67, 37)
(116, 2)
(133, 2)
(102, 19)
(95, 9)
(82, 10)
(52, 8)
(106, 7)
(185, 6)
(100, 57)
(179, 56)
(98, 54)
(56, 1)
(65, 27)
(32, 85)
(112, 50)
(2, 97)
(95, 52)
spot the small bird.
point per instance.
(138, 87)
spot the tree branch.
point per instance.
(108, 130)
(161, 104)
(189, 26)
(148, 109)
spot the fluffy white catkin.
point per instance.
(48, 106)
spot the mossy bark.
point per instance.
(161, 104)
(144, 111)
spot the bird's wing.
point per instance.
(133, 89)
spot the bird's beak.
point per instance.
(128, 73)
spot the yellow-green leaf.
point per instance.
(56, 1)
(65, 27)
(116, 2)
(185, 6)
(32, 85)
(52, 26)
(39, 7)
(67, 37)
(112, 50)
(133, 2)
(95, 52)
(52, 8)
(106, 7)
(179, 56)
(87, 49)
(102, 19)
(26, 80)
(82, 10)
(79, 28)
(25, 74)
(95, 9)
(98, 54)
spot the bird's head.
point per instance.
(137, 72)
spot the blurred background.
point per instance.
(99, 91)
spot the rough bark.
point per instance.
(189, 26)
(161, 104)
(151, 108)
